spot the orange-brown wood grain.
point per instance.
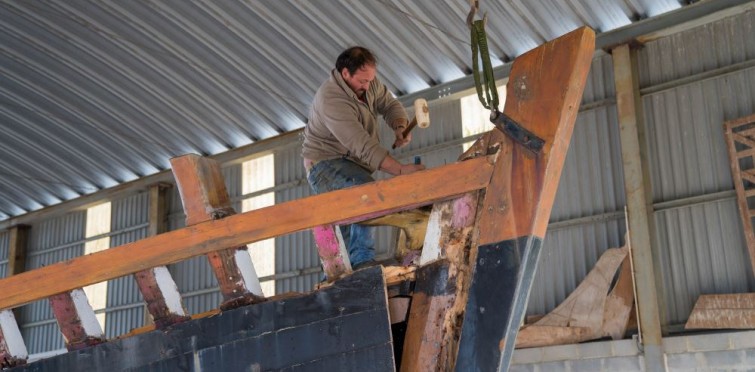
(521, 195)
(723, 311)
(354, 204)
(205, 197)
(202, 188)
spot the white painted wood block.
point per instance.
(248, 273)
(169, 290)
(86, 314)
(12, 335)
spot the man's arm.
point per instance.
(393, 167)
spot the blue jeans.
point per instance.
(336, 174)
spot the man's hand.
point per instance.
(393, 167)
(399, 126)
(410, 168)
(401, 140)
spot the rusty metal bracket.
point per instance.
(511, 128)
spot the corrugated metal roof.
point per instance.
(94, 94)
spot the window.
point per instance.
(257, 175)
(475, 118)
(98, 223)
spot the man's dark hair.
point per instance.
(354, 58)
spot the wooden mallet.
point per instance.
(421, 116)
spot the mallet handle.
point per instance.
(408, 129)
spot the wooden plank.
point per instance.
(750, 132)
(748, 175)
(619, 303)
(723, 311)
(520, 196)
(744, 153)
(543, 335)
(434, 294)
(355, 204)
(737, 176)
(740, 138)
(205, 198)
(740, 121)
(585, 306)
(398, 274)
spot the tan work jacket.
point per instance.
(341, 125)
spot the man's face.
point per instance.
(360, 81)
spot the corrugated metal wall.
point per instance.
(700, 242)
(587, 216)
(50, 241)
(4, 248)
(125, 304)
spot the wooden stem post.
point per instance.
(543, 100)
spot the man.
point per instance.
(341, 146)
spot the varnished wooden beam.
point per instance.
(354, 204)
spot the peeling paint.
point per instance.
(464, 209)
(86, 314)
(248, 274)
(431, 247)
(168, 290)
(10, 333)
